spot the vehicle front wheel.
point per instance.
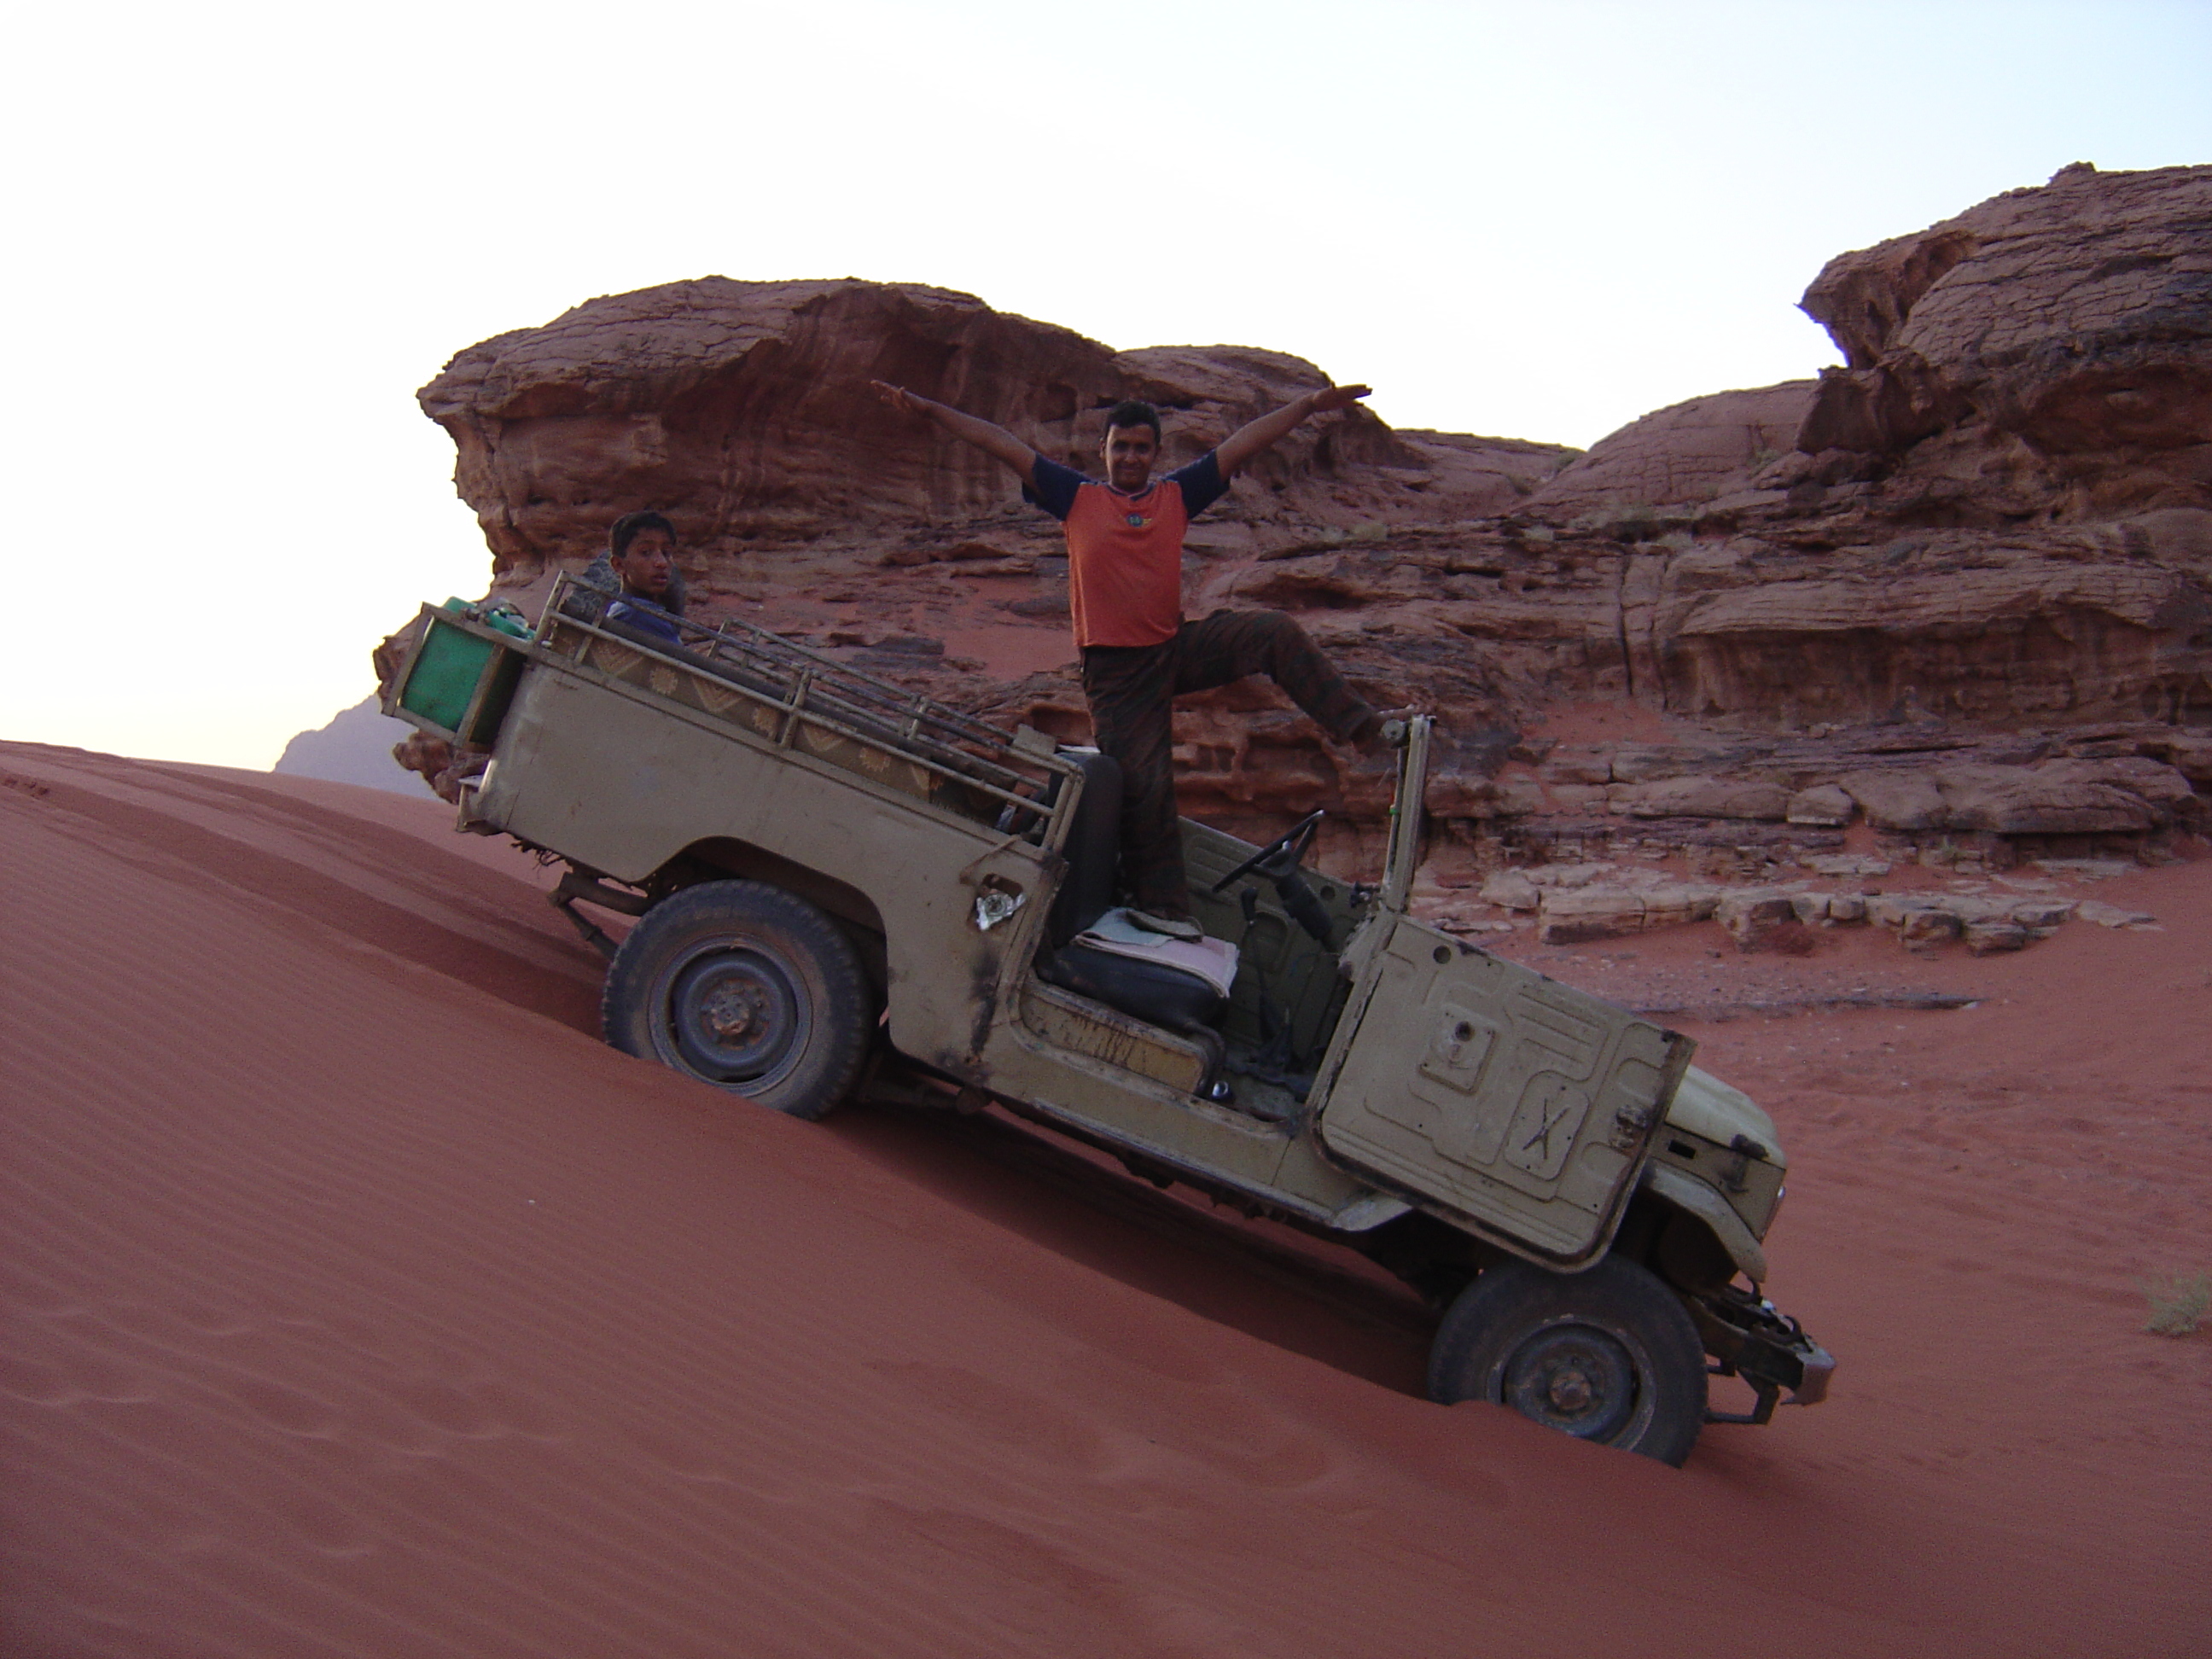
(746, 986)
(1608, 1355)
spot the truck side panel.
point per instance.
(616, 783)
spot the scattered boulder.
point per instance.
(2112, 915)
(1672, 903)
(1749, 917)
(1986, 938)
(1823, 804)
(1896, 801)
(1930, 925)
(1572, 915)
(1894, 909)
(1511, 890)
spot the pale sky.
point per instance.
(244, 234)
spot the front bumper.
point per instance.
(1748, 1337)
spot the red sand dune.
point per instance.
(359, 1301)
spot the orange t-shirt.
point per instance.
(1125, 552)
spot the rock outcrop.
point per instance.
(2048, 352)
(1697, 451)
(742, 410)
(1957, 594)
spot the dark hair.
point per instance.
(1134, 413)
(628, 527)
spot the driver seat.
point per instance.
(1154, 992)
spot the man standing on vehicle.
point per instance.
(1125, 596)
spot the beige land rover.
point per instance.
(836, 882)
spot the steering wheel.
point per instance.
(1294, 842)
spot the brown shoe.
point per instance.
(1389, 733)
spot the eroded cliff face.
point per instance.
(1993, 526)
(742, 410)
(2047, 353)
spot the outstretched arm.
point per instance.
(993, 440)
(1246, 442)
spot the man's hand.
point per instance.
(1242, 445)
(901, 399)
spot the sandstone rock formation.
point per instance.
(2057, 342)
(1957, 594)
(742, 410)
(1692, 451)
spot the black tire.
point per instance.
(744, 986)
(1608, 1355)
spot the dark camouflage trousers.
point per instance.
(1132, 688)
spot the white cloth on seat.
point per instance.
(1213, 960)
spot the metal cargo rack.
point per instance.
(796, 697)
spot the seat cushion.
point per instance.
(1149, 991)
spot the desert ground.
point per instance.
(360, 1302)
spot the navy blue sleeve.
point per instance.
(644, 614)
(1055, 487)
(1202, 484)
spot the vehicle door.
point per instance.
(1521, 1107)
(1518, 1107)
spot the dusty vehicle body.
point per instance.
(832, 876)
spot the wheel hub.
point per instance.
(733, 1011)
(1576, 1378)
(1570, 1390)
(737, 1015)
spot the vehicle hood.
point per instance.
(1708, 1107)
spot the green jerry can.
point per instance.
(452, 663)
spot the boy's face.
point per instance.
(1129, 452)
(647, 565)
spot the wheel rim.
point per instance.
(735, 1015)
(1577, 1378)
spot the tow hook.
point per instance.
(1749, 1337)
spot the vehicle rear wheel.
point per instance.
(1608, 1355)
(745, 986)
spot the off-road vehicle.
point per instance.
(831, 877)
